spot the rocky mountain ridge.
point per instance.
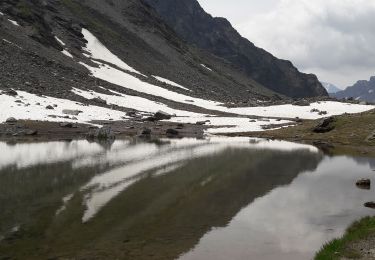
(217, 36)
(363, 90)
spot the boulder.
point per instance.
(49, 107)
(104, 133)
(71, 112)
(160, 115)
(11, 120)
(325, 125)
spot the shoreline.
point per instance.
(352, 134)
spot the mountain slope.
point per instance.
(362, 90)
(217, 35)
(134, 33)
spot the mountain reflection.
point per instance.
(135, 200)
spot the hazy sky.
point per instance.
(335, 39)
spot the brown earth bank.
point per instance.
(29, 130)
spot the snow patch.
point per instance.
(66, 53)
(59, 41)
(133, 102)
(13, 22)
(169, 82)
(204, 66)
(33, 107)
(98, 51)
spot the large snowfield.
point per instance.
(114, 70)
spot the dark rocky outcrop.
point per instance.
(217, 36)
(325, 125)
(363, 90)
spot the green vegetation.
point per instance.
(339, 248)
(350, 136)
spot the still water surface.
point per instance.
(216, 198)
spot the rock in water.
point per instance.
(364, 184)
(324, 126)
(370, 205)
(11, 120)
(104, 133)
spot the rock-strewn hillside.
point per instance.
(217, 35)
(130, 29)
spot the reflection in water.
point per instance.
(225, 198)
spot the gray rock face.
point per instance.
(217, 36)
(362, 90)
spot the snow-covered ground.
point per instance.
(34, 107)
(29, 106)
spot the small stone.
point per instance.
(11, 120)
(370, 205)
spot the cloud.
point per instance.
(329, 37)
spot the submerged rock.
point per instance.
(364, 184)
(11, 120)
(370, 205)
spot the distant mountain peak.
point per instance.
(331, 89)
(362, 90)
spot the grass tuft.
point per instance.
(338, 248)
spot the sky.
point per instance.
(334, 39)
